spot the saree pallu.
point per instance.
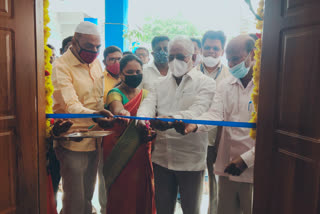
(128, 168)
(51, 202)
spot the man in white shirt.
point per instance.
(159, 67)
(236, 151)
(179, 161)
(213, 43)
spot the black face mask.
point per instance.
(133, 81)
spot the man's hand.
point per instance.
(146, 132)
(161, 125)
(180, 127)
(141, 124)
(236, 167)
(61, 126)
(147, 135)
(190, 128)
(106, 122)
(184, 128)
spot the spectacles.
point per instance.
(208, 48)
(177, 56)
(114, 59)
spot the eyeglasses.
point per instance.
(180, 57)
(114, 59)
(208, 48)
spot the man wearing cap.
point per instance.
(78, 82)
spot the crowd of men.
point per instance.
(186, 80)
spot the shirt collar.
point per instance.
(108, 75)
(153, 65)
(204, 68)
(72, 59)
(234, 80)
(192, 74)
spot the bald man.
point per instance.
(178, 161)
(232, 102)
(78, 82)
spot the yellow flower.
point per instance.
(256, 72)
(47, 65)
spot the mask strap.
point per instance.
(78, 44)
(247, 57)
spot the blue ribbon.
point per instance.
(198, 122)
(73, 116)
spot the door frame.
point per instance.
(41, 106)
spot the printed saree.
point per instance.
(128, 168)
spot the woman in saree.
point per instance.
(127, 168)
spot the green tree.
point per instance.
(156, 27)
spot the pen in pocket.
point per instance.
(90, 127)
(249, 105)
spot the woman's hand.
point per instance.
(107, 121)
(124, 112)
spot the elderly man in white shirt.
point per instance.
(159, 67)
(179, 161)
(232, 102)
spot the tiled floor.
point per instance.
(95, 202)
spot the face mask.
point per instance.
(86, 55)
(133, 81)
(211, 61)
(114, 68)
(178, 67)
(239, 71)
(197, 59)
(161, 57)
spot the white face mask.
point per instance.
(210, 61)
(178, 67)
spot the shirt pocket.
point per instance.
(231, 105)
(186, 100)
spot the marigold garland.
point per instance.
(47, 64)
(256, 71)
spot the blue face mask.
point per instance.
(239, 71)
(161, 57)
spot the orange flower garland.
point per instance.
(256, 71)
(47, 65)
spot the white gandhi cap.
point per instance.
(87, 28)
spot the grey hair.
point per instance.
(184, 42)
